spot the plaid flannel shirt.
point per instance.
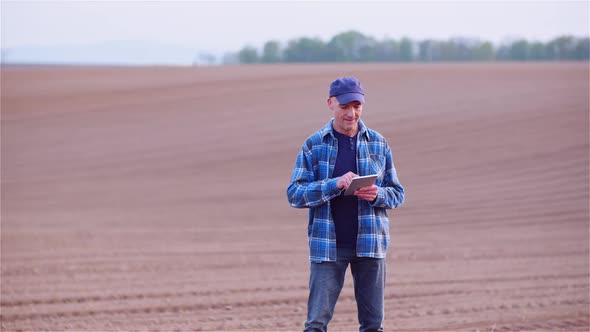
(312, 186)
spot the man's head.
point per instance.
(346, 100)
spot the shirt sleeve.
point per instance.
(303, 191)
(391, 193)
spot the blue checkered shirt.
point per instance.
(312, 186)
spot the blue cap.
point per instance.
(347, 89)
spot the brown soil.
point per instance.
(154, 198)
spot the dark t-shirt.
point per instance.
(345, 208)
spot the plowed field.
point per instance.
(154, 198)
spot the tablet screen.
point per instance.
(360, 182)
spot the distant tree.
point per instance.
(435, 50)
(426, 50)
(503, 52)
(562, 48)
(448, 50)
(552, 50)
(271, 52)
(406, 49)
(567, 45)
(305, 50)
(368, 52)
(248, 54)
(465, 48)
(484, 52)
(387, 50)
(537, 51)
(582, 50)
(519, 50)
(351, 46)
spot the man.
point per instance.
(345, 230)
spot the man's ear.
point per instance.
(330, 103)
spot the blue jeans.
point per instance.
(326, 281)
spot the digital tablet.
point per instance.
(359, 182)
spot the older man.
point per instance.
(346, 229)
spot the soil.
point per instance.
(155, 198)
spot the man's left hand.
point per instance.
(367, 193)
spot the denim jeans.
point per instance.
(326, 281)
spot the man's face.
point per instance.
(346, 117)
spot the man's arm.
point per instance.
(303, 191)
(391, 193)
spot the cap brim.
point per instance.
(349, 97)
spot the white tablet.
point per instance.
(360, 182)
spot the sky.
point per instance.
(224, 26)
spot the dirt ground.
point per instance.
(154, 198)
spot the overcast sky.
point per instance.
(227, 26)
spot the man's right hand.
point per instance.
(345, 180)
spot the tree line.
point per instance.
(353, 46)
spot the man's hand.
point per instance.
(345, 180)
(367, 193)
